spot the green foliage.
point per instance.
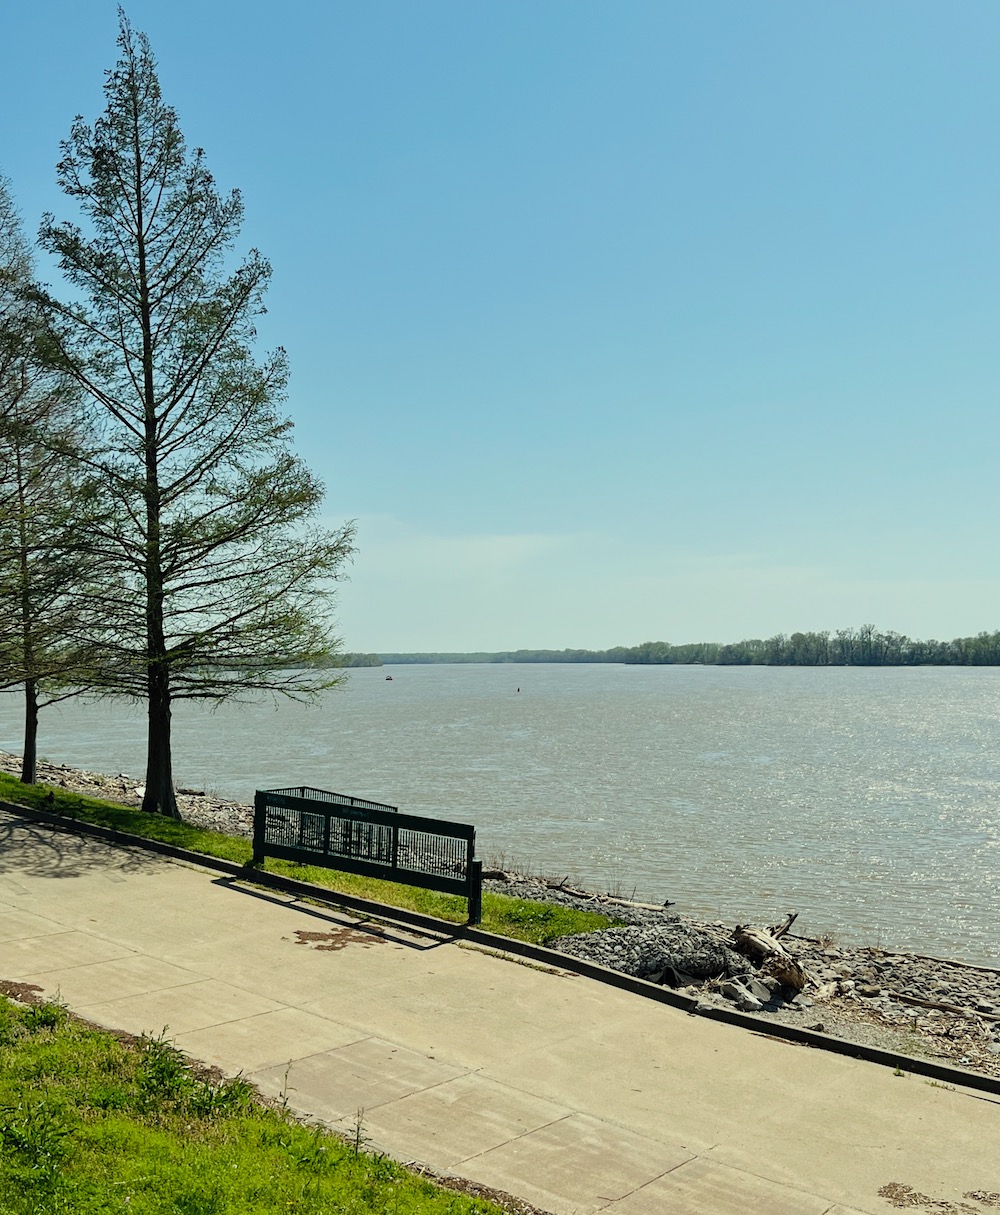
(91, 1125)
(45, 632)
(539, 923)
(215, 574)
(44, 1016)
(33, 1137)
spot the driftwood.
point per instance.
(617, 902)
(958, 1009)
(590, 897)
(780, 929)
(765, 948)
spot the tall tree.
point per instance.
(222, 580)
(45, 646)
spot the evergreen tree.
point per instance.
(219, 578)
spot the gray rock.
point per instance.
(760, 991)
(749, 1003)
(648, 952)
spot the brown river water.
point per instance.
(868, 800)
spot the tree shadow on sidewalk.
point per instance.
(36, 850)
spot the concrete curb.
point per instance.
(940, 1072)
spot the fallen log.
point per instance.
(771, 956)
(756, 942)
(590, 896)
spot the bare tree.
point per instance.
(45, 644)
(221, 582)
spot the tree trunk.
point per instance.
(159, 796)
(27, 639)
(29, 760)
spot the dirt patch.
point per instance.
(23, 993)
(340, 938)
(904, 1196)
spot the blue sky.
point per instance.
(607, 321)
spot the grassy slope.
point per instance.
(91, 1124)
(521, 919)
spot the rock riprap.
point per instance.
(903, 1002)
(673, 953)
(197, 807)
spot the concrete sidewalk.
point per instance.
(566, 1092)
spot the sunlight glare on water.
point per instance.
(866, 799)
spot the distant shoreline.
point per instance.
(863, 647)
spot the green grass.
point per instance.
(520, 919)
(91, 1124)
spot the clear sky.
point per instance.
(609, 322)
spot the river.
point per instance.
(866, 799)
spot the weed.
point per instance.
(37, 1134)
(510, 864)
(163, 1075)
(616, 884)
(875, 940)
(318, 1152)
(37, 1017)
(285, 1090)
(358, 1136)
(206, 1100)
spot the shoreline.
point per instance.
(740, 812)
(911, 1003)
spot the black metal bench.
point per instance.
(315, 827)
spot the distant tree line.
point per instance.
(339, 660)
(509, 656)
(862, 647)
